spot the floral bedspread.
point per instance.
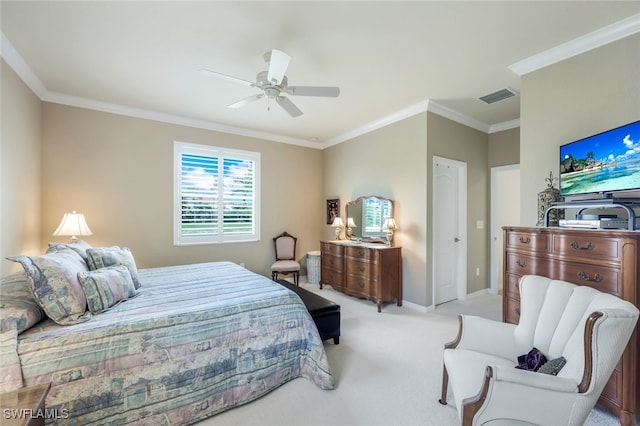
(198, 340)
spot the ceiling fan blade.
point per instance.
(288, 106)
(329, 92)
(278, 64)
(227, 77)
(245, 101)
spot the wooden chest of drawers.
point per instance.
(368, 271)
(606, 260)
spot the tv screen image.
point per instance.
(602, 163)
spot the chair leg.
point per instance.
(445, 383)
(296, 278)
(274, 276)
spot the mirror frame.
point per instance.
(382, 238)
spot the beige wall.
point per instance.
(578, 97)
(118, 171)
(504, 148)
(389, 162)
(449, 139)
(19, 170)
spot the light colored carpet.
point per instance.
(388, 370)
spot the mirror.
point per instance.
(366, 216)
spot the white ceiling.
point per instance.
(390, 59)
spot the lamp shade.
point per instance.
(351, 223)
(337, 222)
(73, 224)
(390, 223)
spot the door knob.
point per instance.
(456, 239)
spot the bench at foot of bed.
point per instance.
(325, 313)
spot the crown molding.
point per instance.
(18, 64)
(505, 125)
(74, 101)
(595, 39)
(458, 117)
(418, 108)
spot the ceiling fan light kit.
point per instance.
(274, 84)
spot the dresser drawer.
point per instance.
(512, 311)
(522, 264)
(601, 278)
(359, 286)
(360, 268)
(331, 261)
(530, 241)
(511, 289)
(587, 247)
(335, 249)
(331, 276)
(361, 253)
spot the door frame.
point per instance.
(461, 287)
(493, 277)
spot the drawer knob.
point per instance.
(361, 253)
(521, 263)
(361, 268)
(583, 276)
(576, 246)
(517, 311)
(524, 240)
(361, 285)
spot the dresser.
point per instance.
(607, 260)
(367, 271)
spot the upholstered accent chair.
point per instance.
(590, 329)
(285, 263)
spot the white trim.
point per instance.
(585, 43)
(418, 108)
(505, 125)
(417, 307)
(18, 64)
(458, 117)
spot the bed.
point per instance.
(193, 341)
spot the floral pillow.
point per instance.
(107, 287)
(101, 257)
(79, 246)
(53, 281)
(18, 308)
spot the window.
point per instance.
(216, 195)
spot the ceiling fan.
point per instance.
(274, 84)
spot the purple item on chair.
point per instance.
(531, 361)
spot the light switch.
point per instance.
(480, 224)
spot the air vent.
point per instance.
(500, 95)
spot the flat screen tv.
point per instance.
(602, 164)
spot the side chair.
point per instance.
(285, 245)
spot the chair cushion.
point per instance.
(285, 266)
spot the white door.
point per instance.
(505, 211)
(449, 229)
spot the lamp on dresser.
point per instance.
(338, 224)
(350, 225)
(73, 225)
(390, 225)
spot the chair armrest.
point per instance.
(546, 382)
(486, 336)
(507, 393)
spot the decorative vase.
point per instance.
(546, 199)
